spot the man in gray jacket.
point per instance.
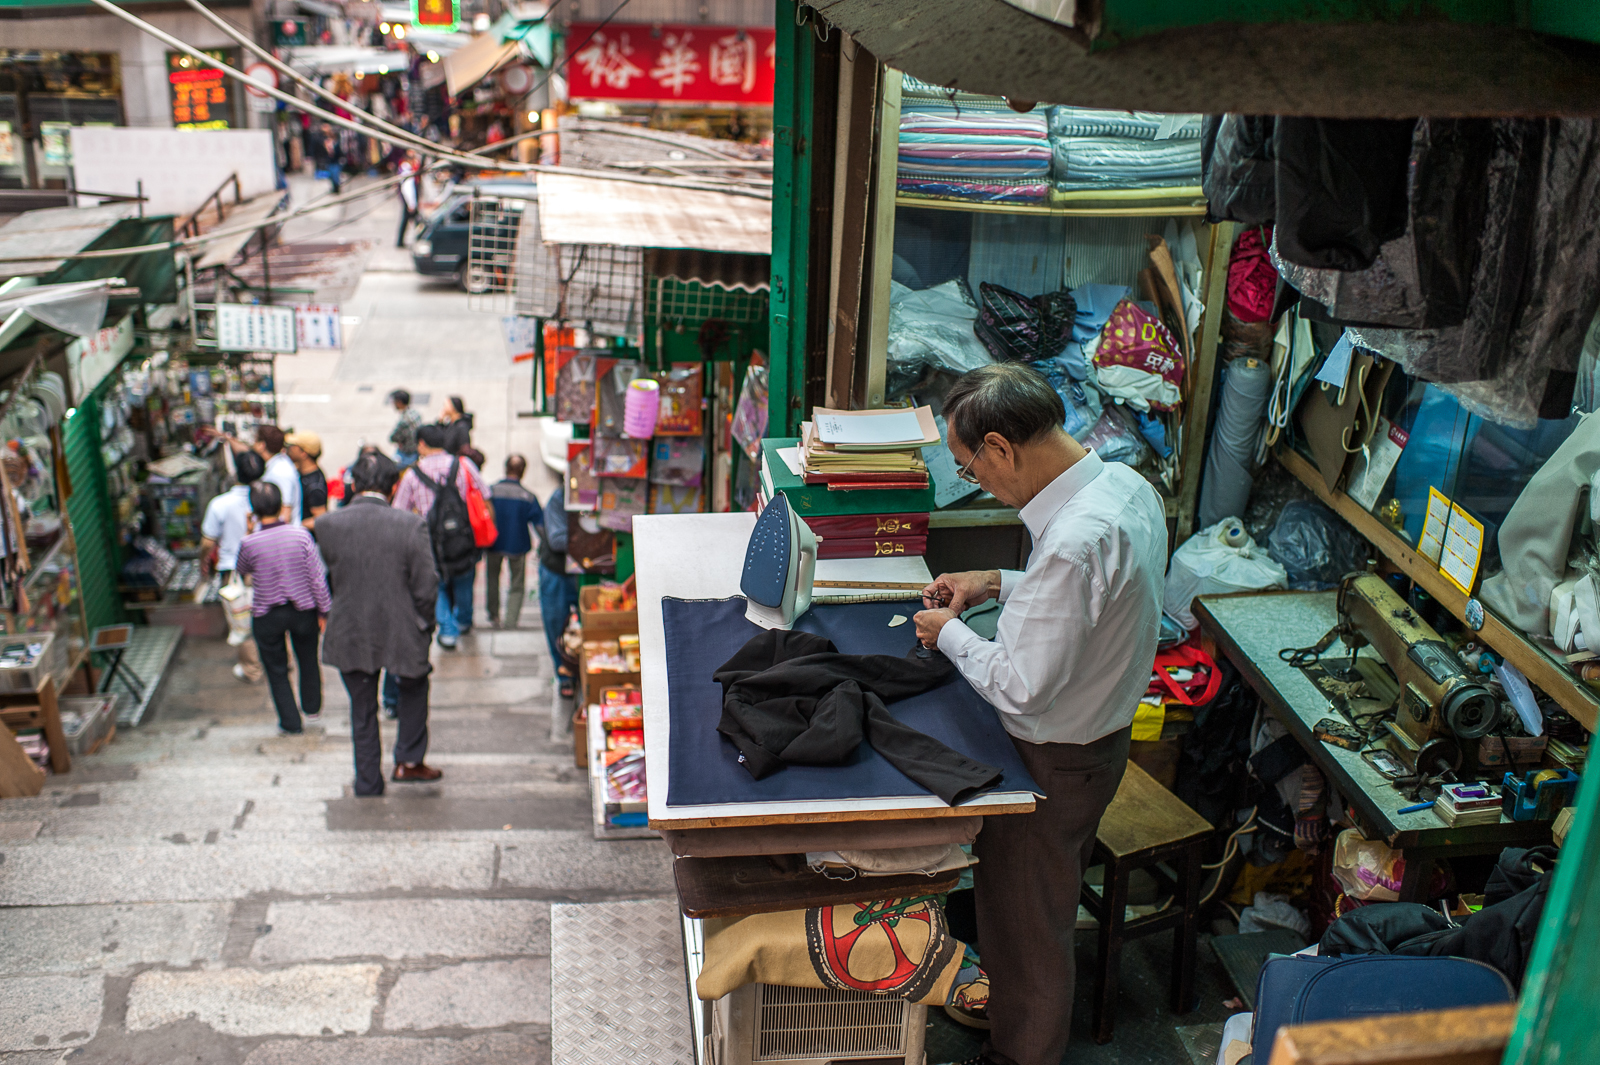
(380, 568)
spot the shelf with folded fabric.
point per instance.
(1550, 675)
(1111, 203)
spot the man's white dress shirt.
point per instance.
(226, 521)
(281, 471)
(1074, 648)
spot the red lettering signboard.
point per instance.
(666, 63)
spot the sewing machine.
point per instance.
(1439, 703)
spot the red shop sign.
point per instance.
(672, 63)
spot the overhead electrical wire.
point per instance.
(422, 145)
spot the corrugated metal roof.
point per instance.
(580, 210)
(54, 232)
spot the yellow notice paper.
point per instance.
(1463, 549)
(1431, 544)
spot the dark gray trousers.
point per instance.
(411, 740)
(1028, 876)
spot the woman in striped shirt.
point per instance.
(289, 598)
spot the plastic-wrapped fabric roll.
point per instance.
(1246, 385)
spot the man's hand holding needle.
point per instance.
(948, 596)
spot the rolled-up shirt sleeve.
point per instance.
(1037, 645)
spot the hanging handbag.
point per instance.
(481, 514)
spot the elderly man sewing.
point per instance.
(1068, 664)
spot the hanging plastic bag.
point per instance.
(1217, 560)
(933, 327)
(1314, 546)
(1018, 328)
(750, 414)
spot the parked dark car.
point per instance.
(441, 248)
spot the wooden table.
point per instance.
(1250, 630)
(739, 887)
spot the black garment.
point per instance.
(313, 491)
(1238, 169)
(411, 741)
(1501, 934)
(458, 434)
(790, 698)
(300, 626)
(1341, 188)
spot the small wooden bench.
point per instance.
(1146, 827)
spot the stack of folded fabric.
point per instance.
(967, 147)
(1094, 149)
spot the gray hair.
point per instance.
(1009, 398)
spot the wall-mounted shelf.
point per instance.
(1536, 664)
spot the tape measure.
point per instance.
(904, 586)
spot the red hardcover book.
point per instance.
(857, 526)
(872, 547)
(884, 477)
(851, 486)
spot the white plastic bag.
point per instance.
(1218, 559)
(236, 598)
(933, 327)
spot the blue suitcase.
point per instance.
(1299, 990)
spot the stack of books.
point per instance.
(1468, 804)
(850, 450)
(860, 524)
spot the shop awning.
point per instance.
(53, 232)
(77, 307)
(345, 58)
(747, 273)
(483, 55)
(1346, 66)
(582, 210)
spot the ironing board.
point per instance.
(701, 556)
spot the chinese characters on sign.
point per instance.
(89, 359)
(246, 327)
(201, 95)
(681, 64)
(317, 325)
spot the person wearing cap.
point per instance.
(304, 450)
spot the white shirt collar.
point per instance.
(1038, 512)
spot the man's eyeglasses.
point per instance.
(965, 472)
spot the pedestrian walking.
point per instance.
(457, 425)
(222, 530)
(289, 599)
(409, 196)
(558, 589)
(516, 511)
(328, 155)
(304, 449)
(380, 564)
(404, 434)
(280, 470)
(436, 488)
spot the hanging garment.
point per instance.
(1238, 168)
(1536, 283)
(1341, 188)
(1536, 537)
(790, 698)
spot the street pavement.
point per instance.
(204, 891)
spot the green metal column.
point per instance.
(93, 523)
(792, 120)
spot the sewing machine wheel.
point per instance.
(1438, 757)
(1471, 712)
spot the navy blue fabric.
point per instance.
(702, 634)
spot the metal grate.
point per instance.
(492, 247)
(692, 302)
(510, 270)
(803, 1022)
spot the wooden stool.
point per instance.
(1146, 827)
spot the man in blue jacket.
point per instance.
(558, 589)
(516, 511)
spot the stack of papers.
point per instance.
(866, 449)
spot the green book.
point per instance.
(818, 499)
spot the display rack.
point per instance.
(597, 787)
(1543, 671)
